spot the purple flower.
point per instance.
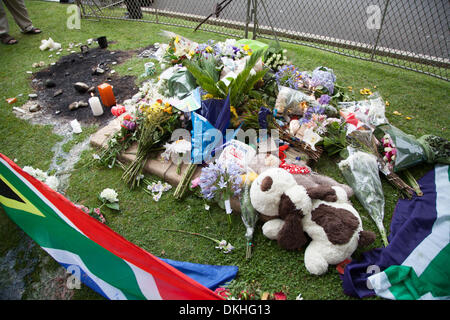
(310, 111)
(324, 99)
(325, 77)
(262, 117)
(130, 125)
(288, 75)
(218, 177)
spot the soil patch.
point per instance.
(77, 67)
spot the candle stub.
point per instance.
(107, 95)
(96, 106)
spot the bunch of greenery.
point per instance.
(207, 77)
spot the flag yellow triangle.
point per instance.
(26, 205)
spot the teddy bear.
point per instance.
(293, 211)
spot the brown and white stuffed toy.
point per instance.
(336, 231)
(323, 212)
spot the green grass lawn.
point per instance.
(141, 220)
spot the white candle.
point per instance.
(96, 106)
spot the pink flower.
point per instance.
(83, 208)
(195, 182)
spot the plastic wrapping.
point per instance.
(289, 102)
(370, 112)
(409, 151)
(181, 83)
(360, 170)
(249, 216)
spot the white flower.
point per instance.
(109, 195)
(207, 207)
(228, 248)
(311, 138)
(222, 244)
(175, 149)
(157, 196)
(29, 170)
(225, 246)
(299, 297)
(52, 182)
(96, 156)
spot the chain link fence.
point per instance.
(409, 34)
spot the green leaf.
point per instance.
(113, 206)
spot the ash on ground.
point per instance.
(55, 90)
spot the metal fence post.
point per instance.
(379, 31)
(255, 19)
(247, 21)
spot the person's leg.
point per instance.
(4, 27)
(134, 9)
(19, 12)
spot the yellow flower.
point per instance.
(246, 47)
(251, 176)
(365, 91)
(233, 111)
(350, 88)
(207, 96)
(397, 113)
(191, 53)
(177, 39)
(249, 53)
(209, 49)
(168, 109)
(387, 103)
(408, 118)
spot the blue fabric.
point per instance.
(211, 276)
(214, 114)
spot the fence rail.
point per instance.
(409, 34)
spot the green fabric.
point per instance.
(406, 285)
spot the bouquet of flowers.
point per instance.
(360, 170)
(179, 48)
(120, 141)
(289, 76)
(157, 124)
(410, 151)
(275, 57)
(220, 182)
(249, 216)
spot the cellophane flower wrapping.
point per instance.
(409, 151)
(249, 216)
(360, 170)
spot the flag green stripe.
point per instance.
(406, 285)
(54, 232)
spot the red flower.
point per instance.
(279, 295)
(222, 292)
(128, 117)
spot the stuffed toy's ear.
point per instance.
(291, 235)
(326, 193)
